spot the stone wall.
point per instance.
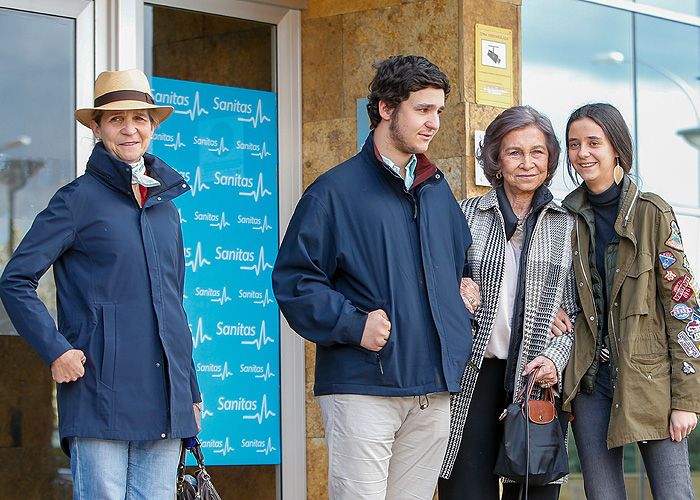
(340, 42)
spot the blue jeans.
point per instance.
(124, 470)
(666, 461)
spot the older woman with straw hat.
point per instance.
(121, 354)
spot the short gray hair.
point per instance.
(512, 119)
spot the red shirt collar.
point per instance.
(424, 167)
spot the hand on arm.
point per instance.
(68, 367)
(562, 324)
(471, 294)
(376, 332)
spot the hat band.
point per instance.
(123, 95)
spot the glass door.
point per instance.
(46, 56)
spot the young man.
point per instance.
(370, 271)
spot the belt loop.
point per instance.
(421, 403)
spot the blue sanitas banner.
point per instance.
(223, 141)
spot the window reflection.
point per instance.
(37, 134)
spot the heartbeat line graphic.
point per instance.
(221, 149)
(222, 222)
(225, 449)
(224, 372)
(268, 449)
(196, 110)
(258, 118)
(265, 300)
(267, 374)
(262, 339)
(198, 261)
(199, 336)
(223, 299)
(198, 186)
(263, 227)
(264, 413)
(262, 153)
(178, 144)
(259, 192)
(179, 211)
(207, 413)
(261, 265)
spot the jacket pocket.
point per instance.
(635, 289)
(109, 347)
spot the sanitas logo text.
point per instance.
(239, 330)
(240, 404)
(236, 106)
(172, 98)
(234, 255)
(236, 180)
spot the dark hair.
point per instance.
(397, 77)
(99, 113)
(512, 119)
(616, 131)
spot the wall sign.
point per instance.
(223, 141)
(494, 66)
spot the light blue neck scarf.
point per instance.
(138, 175)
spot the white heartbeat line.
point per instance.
(264, 226)
(259, 192)
(207, 413)
(224, 372)
(198, 260)
(225, 449)
(223, 299)
(196, 109)
(258, 118)
(262, 339)
(268, 449)
(262, 153)
(179, 211)
(198, 185)
(199, 337)
(177, 144)
(265, 300)
(267, 374)
(221, 149)
(222, 223)
(264, 413)
(261, 265)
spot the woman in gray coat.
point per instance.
(521, 260)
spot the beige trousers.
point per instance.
(385, 448)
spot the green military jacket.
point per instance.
(653, 322)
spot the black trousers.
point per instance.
(472, 475)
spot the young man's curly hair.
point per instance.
(397, 77)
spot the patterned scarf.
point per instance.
(138, 175)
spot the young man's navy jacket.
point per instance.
(358, 241)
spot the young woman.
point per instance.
(633, 376)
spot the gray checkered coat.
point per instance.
(549, 284)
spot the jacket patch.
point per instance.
(667, 259)
(674, 241)
(688, 369)
(681, 311)
(687, 345)
(670, 275)
(693, 330)
(682, 290)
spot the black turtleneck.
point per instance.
(605, 208)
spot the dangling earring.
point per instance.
(618, 172)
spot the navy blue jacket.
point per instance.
(358, 241)
(119, 272)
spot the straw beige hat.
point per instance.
(122, 90)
